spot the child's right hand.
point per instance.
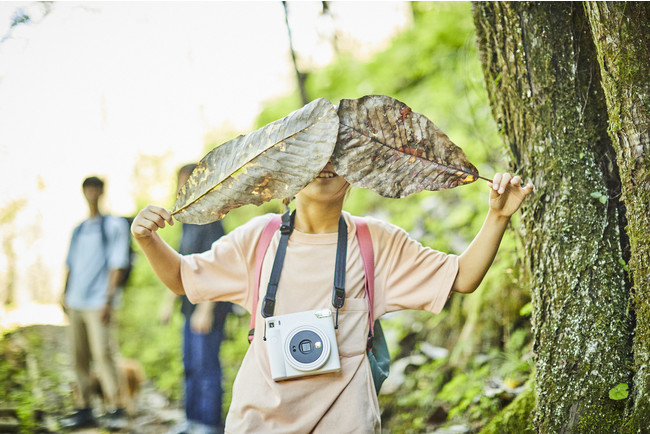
(149, 220)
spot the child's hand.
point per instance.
(507, 194)
(149, 220)
(202, 318)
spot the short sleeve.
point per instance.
(224, 273)
(407, 274)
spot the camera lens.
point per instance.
(308, 346)
(307, 350)
(305, 346)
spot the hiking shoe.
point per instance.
(82, 418)
(200, 428)
(115, 420)
(182, 428)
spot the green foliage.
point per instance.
(623, 264)
(602, 198)
(143, 337)
(517, 416)
(526, 309)
(15, 387)
(463, 389)
(437, 392)
(618, 392)
(32, 381)
(239, 216)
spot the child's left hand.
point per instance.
(507, 194)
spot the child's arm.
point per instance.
(202, 318)
(164, 260)
(506, 196)
(167, 308)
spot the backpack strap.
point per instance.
(73, 240)
(368, 258)
(262, 246)
(268, 305)
(75, 235)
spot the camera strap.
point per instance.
(338, 293)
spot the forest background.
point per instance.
(462, 368)
(458, 368)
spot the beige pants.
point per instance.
(91, 343)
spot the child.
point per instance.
(407, 276)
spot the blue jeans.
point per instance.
(203, 390)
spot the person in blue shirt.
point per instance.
(97, 257)
(202, 337)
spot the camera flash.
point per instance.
(323, 313)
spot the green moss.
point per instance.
(553, 111)
(516, 417)
(600, 423)
(621, 37)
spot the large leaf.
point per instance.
(384, 146)
(274, 162)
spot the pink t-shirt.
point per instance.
(407, 276)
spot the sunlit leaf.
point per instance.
(526, 309)
(600, 196)
(619, 392)
(274, 162)
(384, 146)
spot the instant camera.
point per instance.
(301, 344)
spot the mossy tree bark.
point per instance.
(543, 79)
(621, 33)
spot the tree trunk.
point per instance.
(621, 33)
(543, 79)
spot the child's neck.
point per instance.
(317, 218)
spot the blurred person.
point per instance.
(97, 259)
(407, 276)
(202, 336)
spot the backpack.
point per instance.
(376, 347)
(130, 254)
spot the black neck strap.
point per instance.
(338, 293)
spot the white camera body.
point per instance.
(301, 344)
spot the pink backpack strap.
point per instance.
(262, 246)
(368, 258)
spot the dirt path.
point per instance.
(38, 375)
